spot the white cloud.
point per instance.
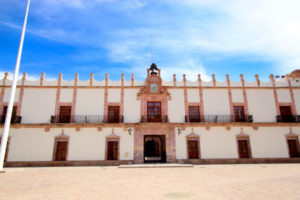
(268, 28)
(181, 31)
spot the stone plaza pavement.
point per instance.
(213, 182)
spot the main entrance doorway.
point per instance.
(154, 148)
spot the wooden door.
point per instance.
(194, 114)
(243, 149)
(238, 112)
(112, 150)
(293, 148)
(13, 115)
(65, 114)
(61, 150)
(193, 149)
(154, 111)
(113, 114)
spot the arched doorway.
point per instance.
(154, 148)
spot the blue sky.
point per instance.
(191, 36)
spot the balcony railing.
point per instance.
(154, 118)
(218, 118)
(14, 119)
(85, 119)
(288, 118)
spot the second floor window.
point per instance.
(154, 111)
(13, 115)
(194, 114)
(65, 114)
(286, 114)
(239, 114)
(285, 110)
(113, 114)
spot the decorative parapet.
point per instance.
(290, 79)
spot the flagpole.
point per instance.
(12, 95)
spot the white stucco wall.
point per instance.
(7, 95)
(38, 105)
(266, 142)
(114, 95)
(31, 144)
(216, 102)
(284, 96)
(297, 100)
(176, 110)
(237, 96)
(214, 143)
(89, 144)
(261, 105)
(34, 144)
(218, 143)
(193, 95)
(66, 95)
(132, 106)
(269, 142)
(90, 102)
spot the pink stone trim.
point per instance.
(275, 94)
(246, 110)
(20, 100)
(74, 95)
(294, 111)
(154, 129)
(229, 95)
(174, 80)
(122, 97)
(132, 80)
(42, 79)
(146, 95)
(2, 93)
(257, 80)
(214, 80)
(91, 79)
(106, 97)
(186, 106)
(56, 112)
(201, 95)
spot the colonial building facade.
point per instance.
(124, 122)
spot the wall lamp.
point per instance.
(179, 130)
(129, 131)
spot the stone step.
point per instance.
(156, 165)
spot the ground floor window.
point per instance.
(60, 149)
(293, 145)
(244, 148)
